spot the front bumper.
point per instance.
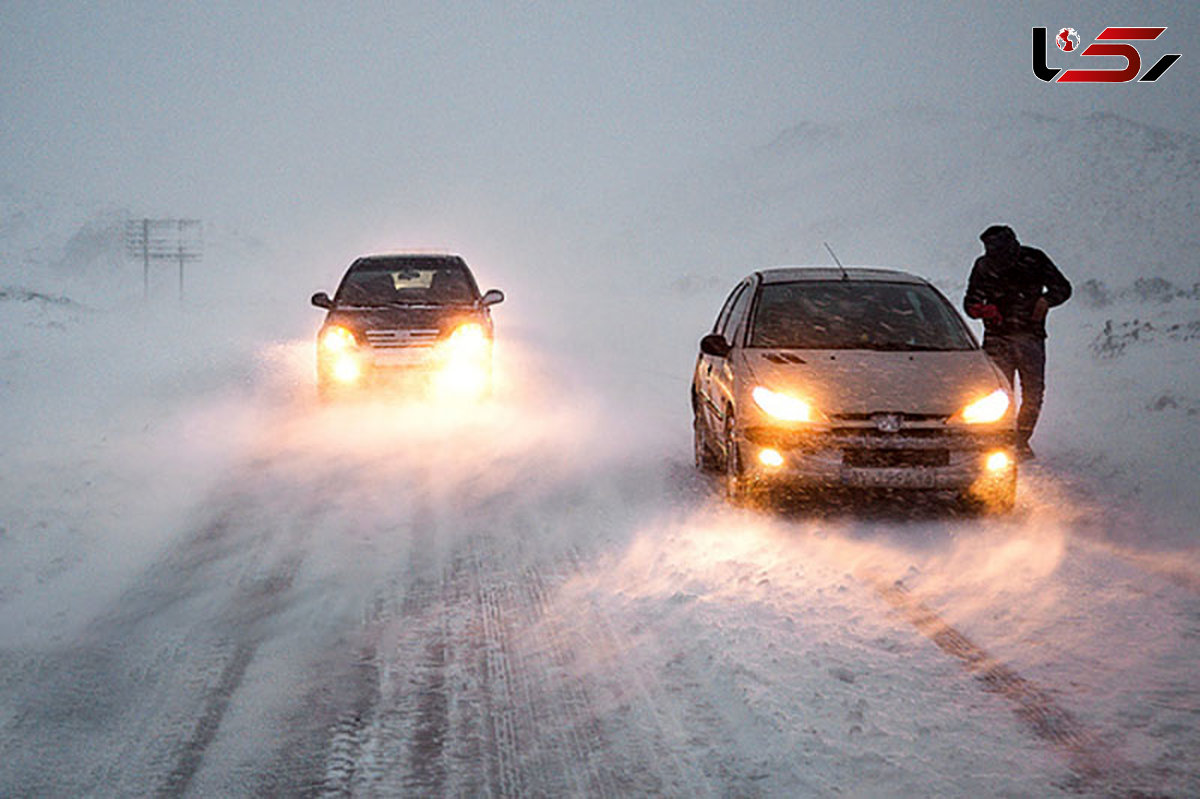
(416, 370)
(926, 458)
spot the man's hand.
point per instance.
(1040, 309)
(985, 311)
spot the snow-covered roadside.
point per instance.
(115, 423)
(1122, 413)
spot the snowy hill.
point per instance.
(54, 245)
(1110, 199)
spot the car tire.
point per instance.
(1007, 498)
(1000, 503)
(968, 504)
(738, 489)
(329, 392)
(705, 459)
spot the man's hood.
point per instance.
(867, 381)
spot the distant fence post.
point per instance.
(146, 259)
(179, 240)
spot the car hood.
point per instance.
(441, 318)
(866, 381)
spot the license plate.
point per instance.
(402, 357)
(889, 478)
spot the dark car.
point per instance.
(412, 321)
(822, 378)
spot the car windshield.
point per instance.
(406, 282)
(856, 315)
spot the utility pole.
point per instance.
(178, 240)
(146, 259)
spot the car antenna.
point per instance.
(845, 274)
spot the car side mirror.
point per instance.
(321, 300)
(714, 344)
(492, 297)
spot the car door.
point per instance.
(722, 375)
(706, 406)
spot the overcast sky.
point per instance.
(279, 114)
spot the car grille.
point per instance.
(907, 432)
(906, 417)
(393, 339)
(862, 438)
(885, 458)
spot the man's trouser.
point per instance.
(1023, 355)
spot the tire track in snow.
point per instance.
(192, 755)
(253, 603)
(135, 668)
(653, 766)
(347, 736)
(395, 735)
(584, 740)
(1096, 765)
(425, 698)
(1181, 569)
(501, 705)
(483, 683)
(547, 738)
(470, 691)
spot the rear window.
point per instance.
(408, 281)
(848, 315)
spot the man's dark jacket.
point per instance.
(1014, 285)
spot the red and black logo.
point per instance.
(1110, 42)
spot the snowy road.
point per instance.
(520, 606)
(210, 585)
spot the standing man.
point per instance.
(1011, 289)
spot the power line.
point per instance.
(178, 240)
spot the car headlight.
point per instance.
(468, 341)
(337, 339)
(783, 407)
(338, 352)
(988, 409)
(465, 362)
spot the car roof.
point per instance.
(415, 255)
(794, 274)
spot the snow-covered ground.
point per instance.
(210, 583)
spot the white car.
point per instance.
(815, 377)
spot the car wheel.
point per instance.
(737, 485)
(998, 501)
(968, 504)
(1006, 498)
(329, 392)
(706, 460)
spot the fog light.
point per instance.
(998, 461)
(346, 369)
(770, 458)
(462, 380)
